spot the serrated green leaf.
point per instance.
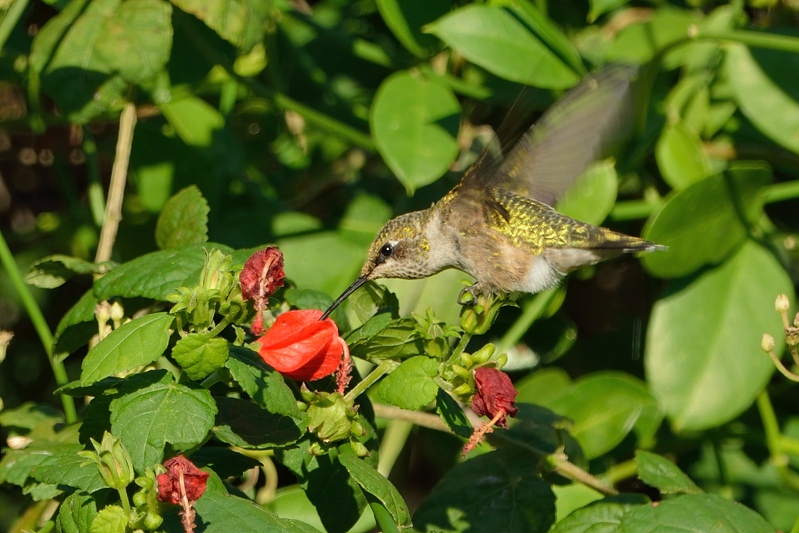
(680, 156)
(244, 424)
(493, 38)
(694, 513)
(69, 469)
(77, 326)
(28, 416)
(110, 519)
(136, 343)
(452, 413)
(199, 354)
(406, 18)
(147, 419)
(54, 270)
(415, 125)
(378, 486)
(158, 274)
(705, 222)
(657, 471)
(76, 513)
(714, 369)
(183, 220)
(511, 498)
(395, 340)
(264, 385)
(601, 517)
(410, 385)
(240, 22)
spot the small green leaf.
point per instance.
(110, 519)
(680, 156)
(498, 491)
(145, 420)
(601, 517)
(713, 370)
(405, 20)
(52, 271)
(136, 343)
(28, 416)
(240, 22)
(495, 39)
(646, 37)
(158, 274)
(183, 220)
(264, 385)
(68, 469)
(452, 413)
(694, 513)
(705, 222)
(199, 354)
(77, 326)
(657, 471)
(592, 197)
(16, 466)
(378, 486)
(415, 125)
(411, 386)
(76, 513)
(395, 340)
(196, 122)
(244, 424)
(600, 7)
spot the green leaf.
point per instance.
(762, 100)
(537, 428)
(199, 354)
(411, 386)
(77, 326)
(195, 121)
(681, 157)
(542, 386)
(602, 517)
(713, 369)
(381, 338)
(605, 407)
(52, 271)
(495, 39)
(452, 413)
(28, 416)
(158, 274)
(378, 486)
(657, 471)
(110, 519)
(240, 22)
(592, 197)
(244, 424)
(405, 20)
(16, 466)
(137, 39)
(147, 419)
(69, 469)
(136, 343)
(498, 491)
(183, 220)
(225, 512)
(697, 513)
(600, 7)
(415, 125)
(705, 222)
(264, 385)
(76, 513)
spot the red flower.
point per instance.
(261, 277)
(182, 478)
(302, 347)
(495, 397)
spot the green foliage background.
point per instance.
(309, 124)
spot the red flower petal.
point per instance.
(495, 395)
(170, 488)
(262, 274)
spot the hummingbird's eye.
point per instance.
(386, 249)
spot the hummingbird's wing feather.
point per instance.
(582, 127)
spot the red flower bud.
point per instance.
(182, 478)
(302, 347)
(495, 397)
(261, 277)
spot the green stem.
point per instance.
(456, 84)
(383, 518)
(782, 191)
(95, 192)
(532, 309)
(754, 38)
(10, 20)
(418, 418)
(632, 210)
(382, 369)
(391, 445)
(562, 466)
(219, 327)
(123, 497)
(459, 348)
(621, 471)
(39, 324)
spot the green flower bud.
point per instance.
(484, 354)
(478, 318)
(767, 343)
(467, 360)
(460, 371)
(330, 417)
(463, 390)
(152, 521)
(112, 460)
(358, 448)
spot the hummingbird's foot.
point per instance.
(468, 296)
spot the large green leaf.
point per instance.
(680, 156)
(183, 220)
(415, 125)
(240, 22)
(264, 385)
(76, 513)
(405, 19)
(243, 423)
(378, 486)
(601, 517)
(199, 354)
(137, 343)
(411, 386)
(703, 359)
(495, 39)
(705, 222)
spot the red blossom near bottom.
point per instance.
(495, 397)
(304, 348)
(182, 484)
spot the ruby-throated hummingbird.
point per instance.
(498, 223)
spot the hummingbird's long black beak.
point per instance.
(352, 288)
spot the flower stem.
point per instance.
(382, 369)
(123, 497)
(460, 347)
(39, 324)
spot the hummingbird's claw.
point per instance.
(471, 292)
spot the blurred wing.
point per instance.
(582, 127)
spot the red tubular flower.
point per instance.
(302, 347)
(182, 478)
(261, 277)
(495, 397)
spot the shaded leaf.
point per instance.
(405, 19)
(183, 220)
(452, 413)
(52, 271)
(264, 385)
(77, 326)
(76, 513)
(378, 486)
(199, 354)
(657, 471)
(240, 22)
(244, 424)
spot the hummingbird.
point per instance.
(498, 224)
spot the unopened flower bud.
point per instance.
(484, 354)
(782, 304)
(112, 460)
(767, 343)
(358, 448)
(462, 390)
(460, 371)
